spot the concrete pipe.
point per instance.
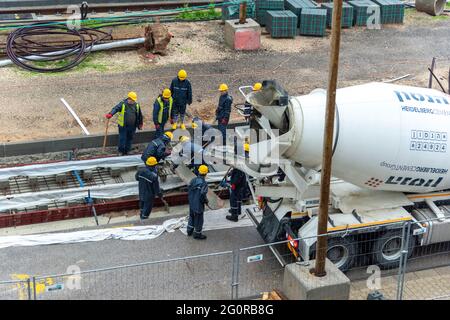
(433, 7)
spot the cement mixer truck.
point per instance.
(390, 165)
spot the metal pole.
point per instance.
(403, 260)
(243, 13)
(29, 288)
(235, 276)
(430, 80)
(448, 81)
(319, 270)
(34, 288)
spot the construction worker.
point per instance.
(148, 186)
(238, 184)
(162, 110)
(198, 190)
(158, 148)
(197, 122)
(192, 154)
(182, 96)
(248, 108)
(223, 110)
(129, 118)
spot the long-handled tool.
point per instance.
(106, 135)
(166, 205)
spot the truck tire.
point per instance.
(387, 249)
(340, 251)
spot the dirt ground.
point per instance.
(31, 106)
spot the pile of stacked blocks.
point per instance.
(288, 18)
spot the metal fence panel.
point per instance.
(369, 259)
(191, 278)
(15, 290)
(426, 272)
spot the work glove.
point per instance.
(140, 127)
(223, 183)
(108, 116)
(233, 187)
(224, 121)
(156, 126)
(171, 121)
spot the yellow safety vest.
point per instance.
(121, 116)
(161, 108)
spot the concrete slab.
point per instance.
(300, 284)
(245, 36)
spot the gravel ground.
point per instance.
(33, 110)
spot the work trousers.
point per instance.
(146, 208)
(223, 129)
(236, 201)
(126, 135)
(195, 223)
(179, 111)
(160, 131)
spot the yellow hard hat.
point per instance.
(247, 147)
(203, 170)
(182, 74)
(184, 139)
(166, 93)
(223, 87)
(257, 86)
(151, 161)
(132, 95)
(169, 134)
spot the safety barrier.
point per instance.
(190, 278)
(391, 262)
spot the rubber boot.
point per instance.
(232, 217)
(174, 126)
(183, 127)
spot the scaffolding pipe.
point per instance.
(98, 47)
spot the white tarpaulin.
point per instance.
(213, 220)
(67, 166)
(32, 199)
(130, 233)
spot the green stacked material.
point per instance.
(281, 24)
(296, 6)
(362, 10)
(313, 22)
(262, 6)
(347, 14)
(231, 10)
(392, 11)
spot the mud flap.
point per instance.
(269, 227)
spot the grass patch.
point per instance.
(187, 14)
(443, 17)
(88, 64)
(447, 5)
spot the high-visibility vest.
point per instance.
(161, 108)
(121, 116)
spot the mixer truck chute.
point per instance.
(390, 157)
